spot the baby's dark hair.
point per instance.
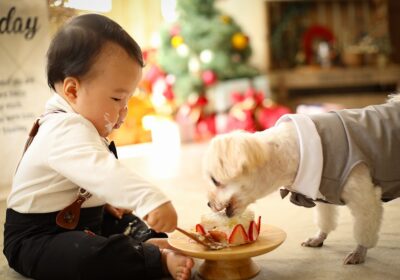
(74, 48)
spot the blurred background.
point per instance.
(217, 65)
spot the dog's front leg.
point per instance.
(326, 220)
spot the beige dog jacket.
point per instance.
(348, 137)
(370, 135)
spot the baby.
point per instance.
(94, 67)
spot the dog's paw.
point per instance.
(313, 242)
(357, 256)
(316, 241)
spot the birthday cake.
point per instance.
(237, 230)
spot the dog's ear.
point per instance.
(233, 154)
(254, 154)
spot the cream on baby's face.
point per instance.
(109, 124)
(104, 92)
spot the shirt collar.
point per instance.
(308, 177)
(56, 102)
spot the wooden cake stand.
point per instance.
(231, 263)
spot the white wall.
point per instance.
(140, 18)
(23, 85)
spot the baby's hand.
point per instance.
(163, 218)
(117, 212)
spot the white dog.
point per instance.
(295, 155)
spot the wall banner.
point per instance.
(24, 39)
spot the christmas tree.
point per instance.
(202, 47)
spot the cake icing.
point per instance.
(237, 230)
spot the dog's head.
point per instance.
(234, 163)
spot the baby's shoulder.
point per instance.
(63, 118)
(65, 122)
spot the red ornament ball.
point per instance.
(209, 77)
(175, 30)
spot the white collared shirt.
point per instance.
(68, 153)
(308, 178)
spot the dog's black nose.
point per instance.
(209, 204)
(229, 211)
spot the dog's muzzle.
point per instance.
(229, 210)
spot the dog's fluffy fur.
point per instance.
(244, 167)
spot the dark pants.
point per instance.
(37, 248)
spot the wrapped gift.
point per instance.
(242, 113)
(252, 112)
(219, 95)
(269, 113)
(194, 122)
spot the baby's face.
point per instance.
(105, 91)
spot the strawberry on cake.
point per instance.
(237, 230)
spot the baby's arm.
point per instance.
(163, 218)
(81, 156)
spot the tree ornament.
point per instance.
(225, 19)
(194, 64)
(239, 41)
(170, 79)
(206, 56)
(175, 30)
(182, 50)
(205, 33)
(169, 94)
(176, 41)
(236, 58)
(159, 86)
(209, 77)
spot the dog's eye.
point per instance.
(216, 183)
